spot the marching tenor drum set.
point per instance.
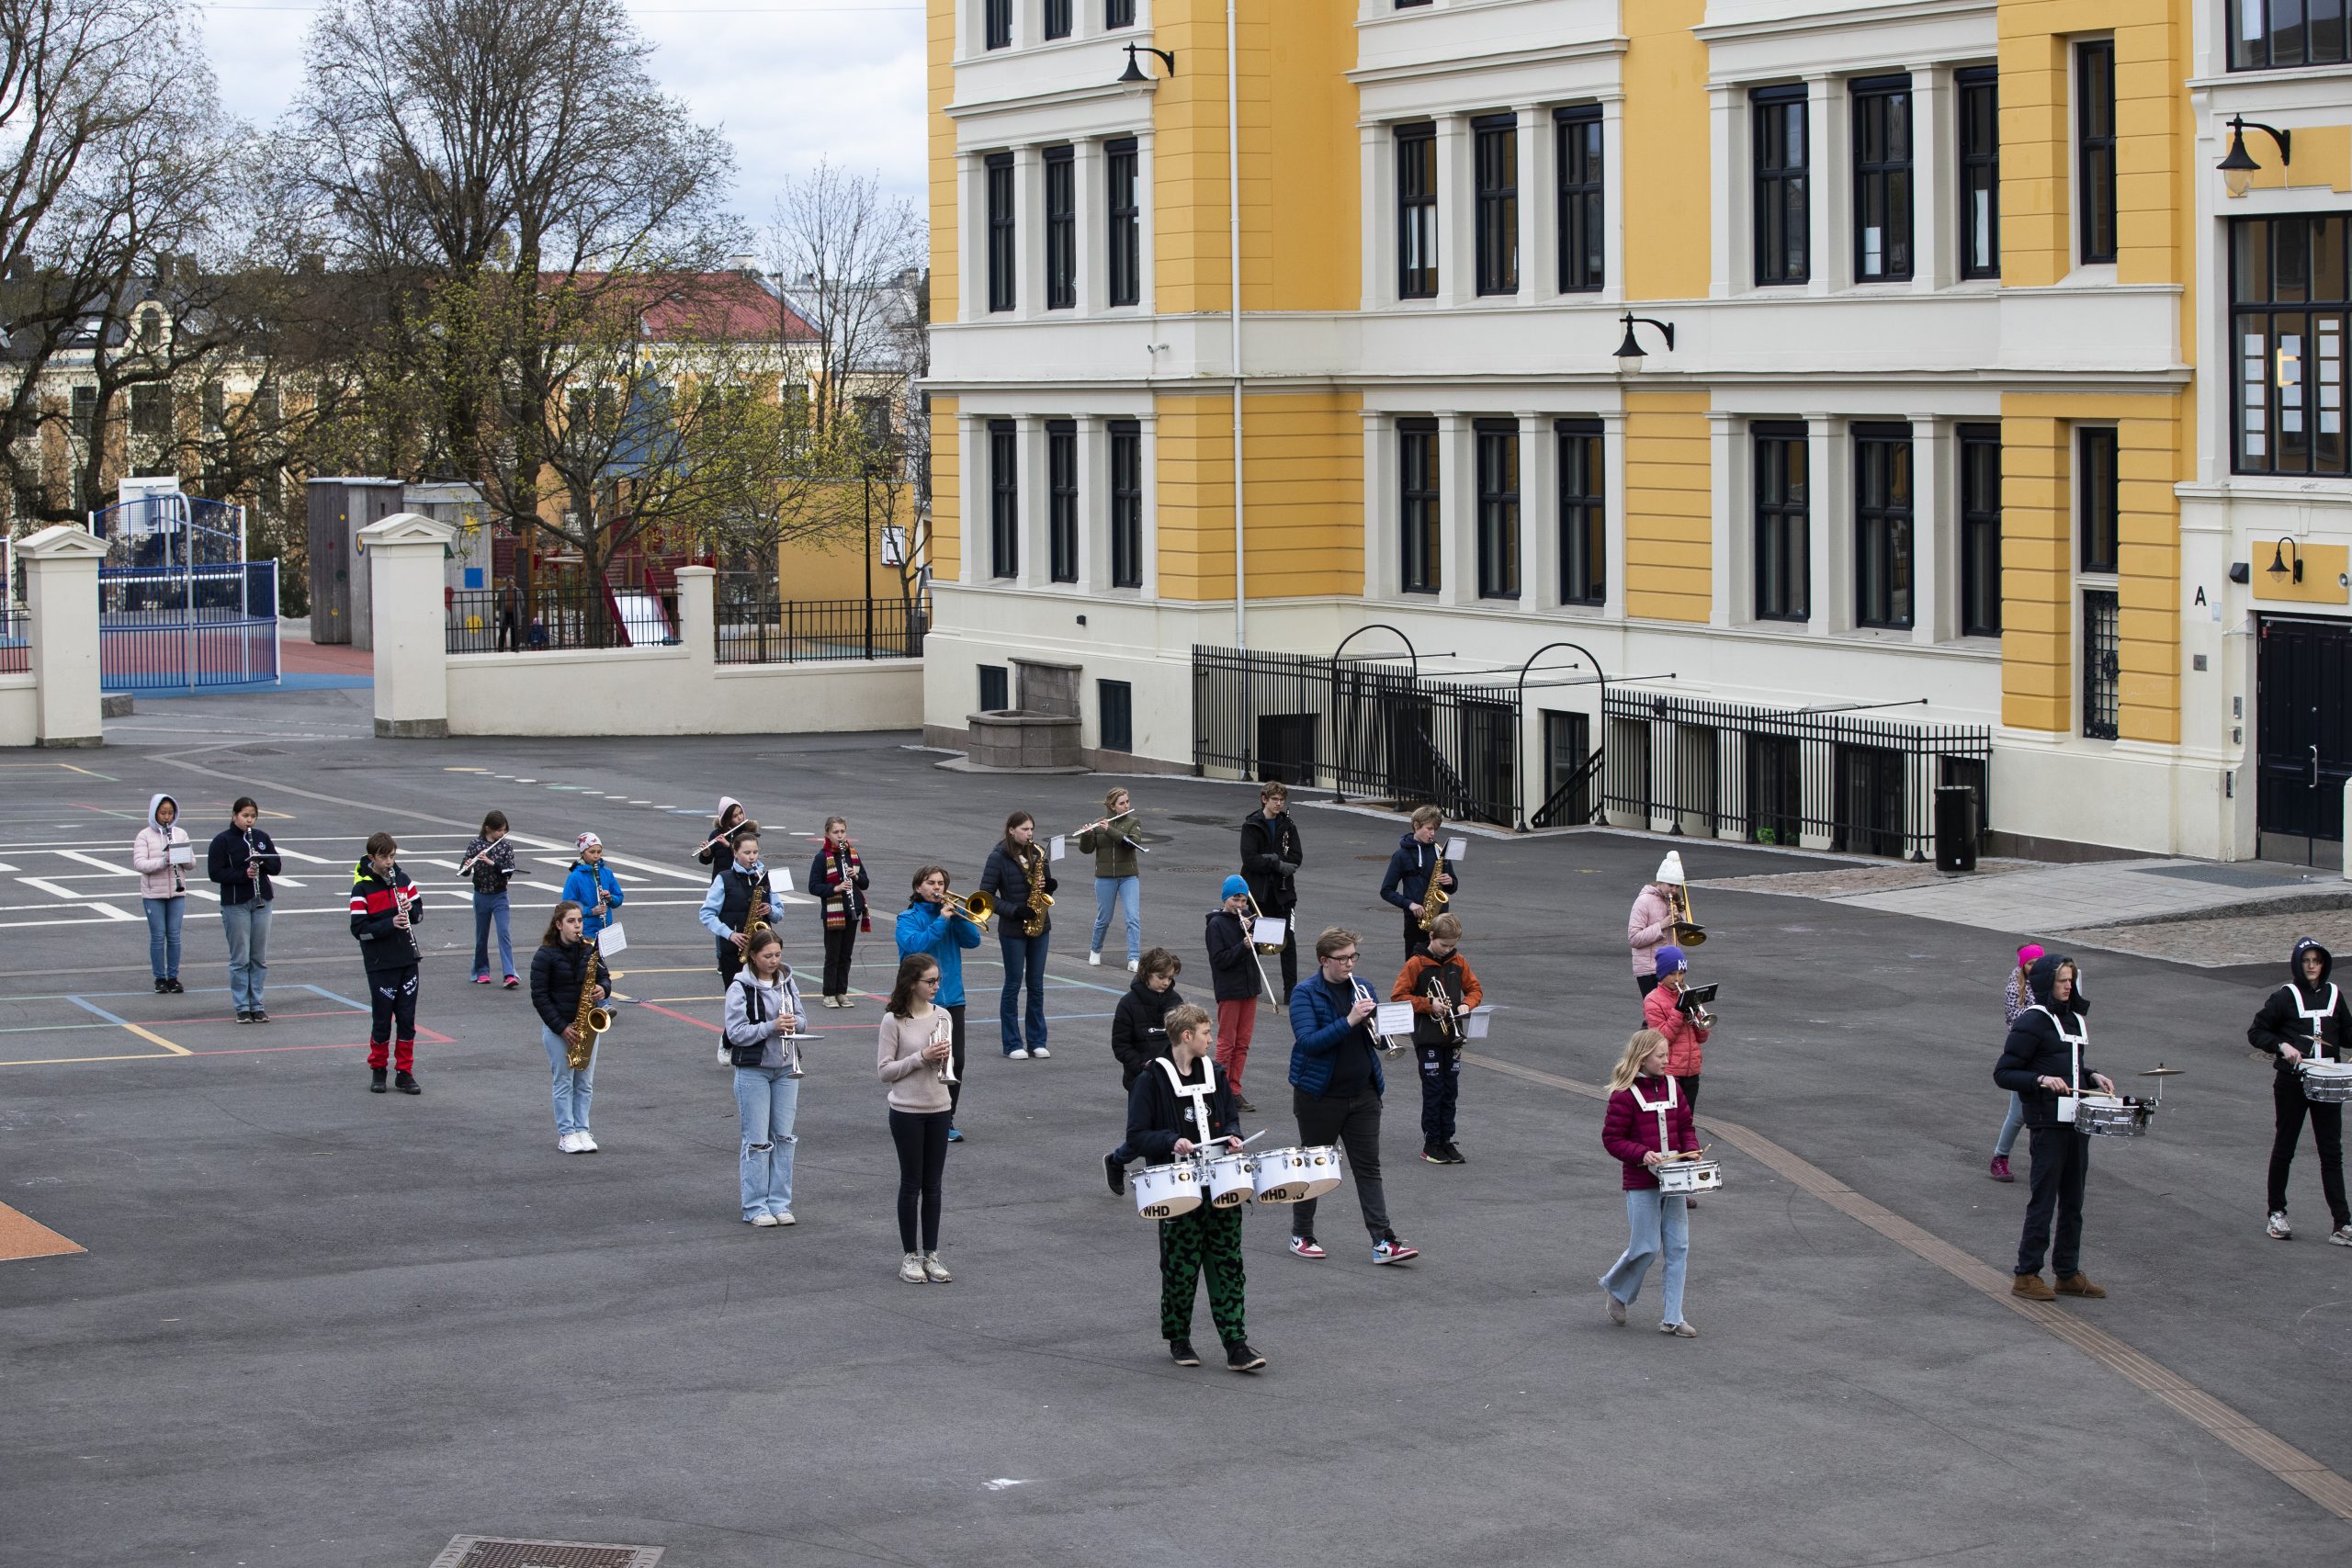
(1224, 1179)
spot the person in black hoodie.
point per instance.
(1270, 856)
(385, 908)
(2307, 1018)
(1178, 1105)
(241, 862)
(1237, 978)
(1417, 857)
(1139, 1032)
(2040, 1063)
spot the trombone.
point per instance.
(1257, 947)
(1687, 931)
(977, 907)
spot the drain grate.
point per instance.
(503, 1551)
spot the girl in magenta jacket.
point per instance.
(1649, 1123)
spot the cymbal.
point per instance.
(2164, 1072)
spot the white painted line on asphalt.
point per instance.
(106, 866)
(48, 887)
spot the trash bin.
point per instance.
(1956, 828)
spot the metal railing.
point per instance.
(16, 639)
(165, 627)
(555, 617)
(1571, 804)
(1800, 777)
(796, 631)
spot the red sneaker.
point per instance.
(1305, 1246)
(2000, 1171)
(1392, 1251)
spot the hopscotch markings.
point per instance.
(147, 1035)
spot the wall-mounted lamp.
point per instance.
(2281, 565)
(1135, 76)
(2237, 165)
(1629, 353)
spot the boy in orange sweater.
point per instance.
(1439, 970)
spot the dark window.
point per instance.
(1116, 701)
(216, 407)
(1783, 526)
(2265, 34)
(996, 688)
(1004, 250)
(1123, 251)
(1978, 90)
(1409, 5)
(2290, 308)
(1584, 528)
(1882, 179)
(1497, 508)
(1118, 12)
(85, 412)
(2102, 662)
(1058, 17)
(1980, 530)
(1126, 503)
(2100, 493)
(151, 411)
(1416, 505)
(1415, 211)
(1061, 499)
(1000, 24)
(1783, 205)
(1005, 500)
(1494, 148)
(1883, 572)
(1582, 192)
(1061, 228)
(2094, 148)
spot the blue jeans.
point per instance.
(1127, 892)
(1025, 961)
(247, 929)
(767, 1100)
(491, 907)
(163, 916)
(2010, 1125)
(572, 1089)
(1659, 1223)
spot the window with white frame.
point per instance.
(2098, 515)
(1584, 531)
(1581, 196)
(2094, 150)
(1061, 227)
(1418, 567)
(1980, 530)
(1062, 500)
(1497, 475)
(1976, 91)
(2269, 35)
(1126, 503)
(1784, 538)
(1004, 499)
(1003, 242)
(2290, 312)
(995, 24)
(1495, 158)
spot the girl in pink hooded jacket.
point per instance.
(162, 856)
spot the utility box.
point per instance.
(339, 509)
(1957, 827)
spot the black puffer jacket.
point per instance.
(2281, 1020)
(1139, 1028)
(558, 971)
(2035, 1049)
(1232, 966)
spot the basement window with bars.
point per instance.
(2290, 309)
(2102, 663)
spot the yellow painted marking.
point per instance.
(70, 1061)
(24, 1238)
(154, 1039)
(2273, 1453)
(465, 769)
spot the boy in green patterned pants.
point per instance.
(1176, 1107)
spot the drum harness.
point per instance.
(1197, 1093)
(2318, 1049)
(2075, 1045)
(1673, 1098)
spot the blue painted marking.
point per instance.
(89, 1006)
(322, 991)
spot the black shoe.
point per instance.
(163, 986)
(1116, 1174)
(376, 1080)
(1185, 1355)
(1435, 1153)
(174, 986)
(261, 1015)
(1244, 1106)
(1454, 1153)
(406, 1083)
(244, 1016)
(1239, 1358)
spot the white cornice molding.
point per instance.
(1842, 21)
(1461, 64)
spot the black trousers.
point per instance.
(1689, 1084)
(1441, 1091)
(2327, 1131)
(922, 1140)
(839, 940)
(956, 1051)
(1290, 955)
(1416, 939)
(1645, 984)
(391, 1003)
(730, 963)
(2062, 1164)
(510, 634)
(1354, 1124)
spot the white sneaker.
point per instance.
(1017, 1055)
(1041, 1051)
(1131, 966)
(846, 1000)
(784, 1219)
(910, 1270)
(764, 1220)
(936, 1270)
(833, 1001)
(568, 1143)
(1094, 958)
(2341, 1236)
(2278, 1229)
(587, 1144)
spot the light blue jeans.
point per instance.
(767, 1100)
(1659, 1223)
(1127, 892)
(2010, 1125)
(163, 916)
(572, 1089)
(491, 907)
(247, 928)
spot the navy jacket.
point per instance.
(1408, 873)
(2036, 1050)
(1319, 1029)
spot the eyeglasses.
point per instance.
(1343, 958)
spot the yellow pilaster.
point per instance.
(1669, 547)
(1302, 455)
(947, 493)
(1666, 137)
(939, 91)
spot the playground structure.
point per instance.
(180, 608)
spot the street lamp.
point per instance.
(2237, 165)
(2281, 565)
(1629, 353)
(1135, 76)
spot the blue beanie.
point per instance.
(1233, 885)
(1670, 960)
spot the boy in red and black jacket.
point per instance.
(385, 906)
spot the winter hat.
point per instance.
(2027, 954)
(1670, 869)
(1233, 885)
(1670, 960)
(589, 841)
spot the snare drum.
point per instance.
(1229, 1178)
(1687, 1176)
(2326, 1083)
(1164, 1191)
(2112, 1116)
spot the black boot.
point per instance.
(375, 1080)
(405, 1083)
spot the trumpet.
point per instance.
(943, 1032)
(1694, 1001)
(977, 907)
(1387, 1043)
(1449, 1016)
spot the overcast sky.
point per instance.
(789, 81)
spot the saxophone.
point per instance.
(1434, 897)
(756, 918)
(1039, 899)
(590, 1022)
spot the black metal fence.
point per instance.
(1357, 729)
(1836, 780)
(796, 631)
(16, 629)
(558, 616)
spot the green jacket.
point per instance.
(1113, 856)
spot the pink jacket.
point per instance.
(1646, 931)
(151, 857)
(1683, 1037)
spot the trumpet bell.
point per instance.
(982, 906)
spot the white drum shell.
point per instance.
(1687, 1176)
(1164, 1191)
(2327, 1083)
(1229, 1177)
(1323, 1165)
(1281, 1175)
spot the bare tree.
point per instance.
(847, 255)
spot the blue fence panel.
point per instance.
(169, 628)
